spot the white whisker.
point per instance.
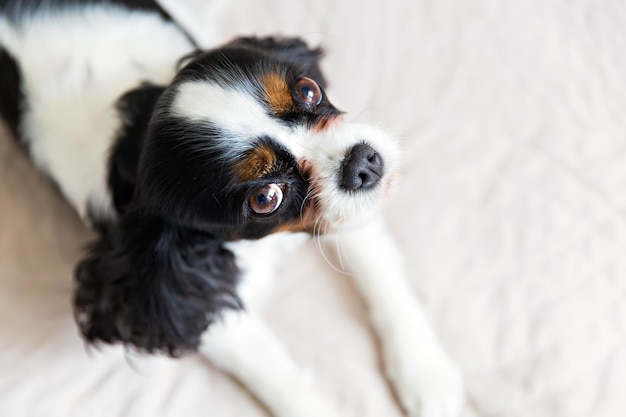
(317, 236)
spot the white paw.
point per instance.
(428, 385)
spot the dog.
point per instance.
(197, 168)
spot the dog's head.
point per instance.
(245, 142)
(242, 144)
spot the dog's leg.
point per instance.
(427, 382)
(242, 346)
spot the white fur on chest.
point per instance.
(75, 65)
(258, 261)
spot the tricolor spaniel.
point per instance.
(190, 164)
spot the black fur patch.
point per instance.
(135, 108)
(11, 96)
(153, 285)
(289, 49)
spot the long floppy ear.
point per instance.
(289, 49)
(153, 285)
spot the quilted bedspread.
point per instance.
(511, 211)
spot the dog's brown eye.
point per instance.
(308, 92)
(266, 199)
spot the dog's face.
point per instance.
(246, 142)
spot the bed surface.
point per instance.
(511, 210)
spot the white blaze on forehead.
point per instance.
(239, 115)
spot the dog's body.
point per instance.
(188, 163)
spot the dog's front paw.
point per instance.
(428, 385)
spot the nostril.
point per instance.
(362, 168)
(376, 163)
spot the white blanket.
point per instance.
(511, 211)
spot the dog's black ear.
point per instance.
(290, 49)
(153, 285)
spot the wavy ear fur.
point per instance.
(153, 285)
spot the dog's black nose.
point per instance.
(362, 168)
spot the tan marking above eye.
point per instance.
(276, 93)
(257, 163)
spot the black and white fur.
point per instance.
(156, 144)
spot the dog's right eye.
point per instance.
(266, 199)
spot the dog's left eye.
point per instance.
(266, 199)
(308, 92)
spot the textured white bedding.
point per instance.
(511, 211)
